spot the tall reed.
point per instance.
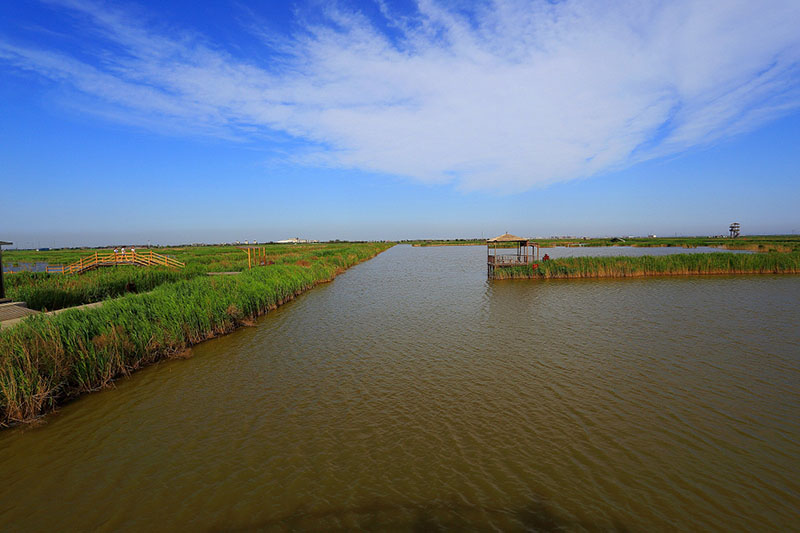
(48, 292)
(665, 265)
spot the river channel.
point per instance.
(413, 394)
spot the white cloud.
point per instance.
(516, 95)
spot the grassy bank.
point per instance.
(48, 359)
(56, 291)
(667, 265)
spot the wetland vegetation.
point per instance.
(649, 265)
(49, 292)
(47, 359)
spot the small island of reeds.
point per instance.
(647, 265)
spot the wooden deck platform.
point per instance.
(6, 322)
(14, 311)
(499, 253)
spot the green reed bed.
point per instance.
(48, 292)
(47, 359)
(666, 265)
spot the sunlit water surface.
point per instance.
(412, 394)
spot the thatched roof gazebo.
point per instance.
(524, 253)
(506, 237)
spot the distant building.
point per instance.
(294, 240)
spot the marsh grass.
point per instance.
(666, 265)
(47, 359)
(48, 292)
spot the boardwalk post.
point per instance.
(255, 255)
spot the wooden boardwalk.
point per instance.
(6, 322)
(13, 312)
(96, 260)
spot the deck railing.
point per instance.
(510, 260)
(97, 259)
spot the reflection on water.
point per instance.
(412, 393)
(25, 267)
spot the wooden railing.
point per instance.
(511, 260)
(97, 259)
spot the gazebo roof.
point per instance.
(507, 237)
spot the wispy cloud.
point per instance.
(510, 96)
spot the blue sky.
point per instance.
(179, 122)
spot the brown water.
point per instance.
(412, 394)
